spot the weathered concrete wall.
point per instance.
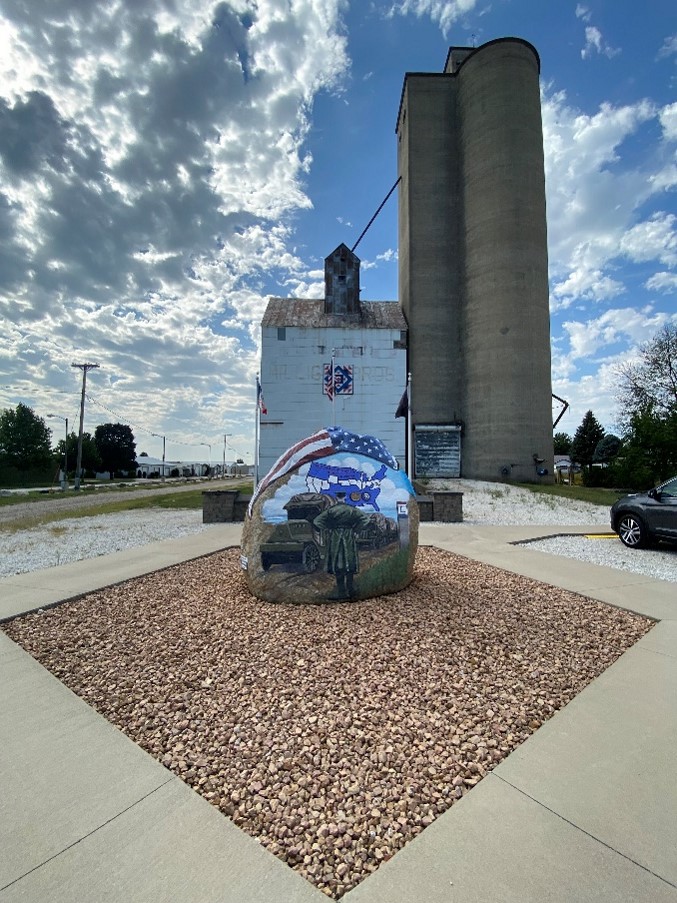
(429, 263)
(291, 377)
(473, 257)
(506, 326)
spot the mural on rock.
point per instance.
(333, 520)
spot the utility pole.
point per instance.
(223, 469)
(164, 445)
(78, 466)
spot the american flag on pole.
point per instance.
(320, 445)
(259, 398)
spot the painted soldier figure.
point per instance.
(342, 524)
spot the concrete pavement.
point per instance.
(585, 810)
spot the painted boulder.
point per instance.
(334, 520)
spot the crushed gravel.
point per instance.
(333, 734)
(659, 563)
(75, 538)
(500, 504)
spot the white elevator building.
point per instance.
(365, 340)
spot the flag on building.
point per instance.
(337, 380)
(403, 406)
(259, 398)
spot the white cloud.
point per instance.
(443, 13)
(653, 239)
(586, 375)
(662, 282)
(668, 120)
(591, 196)
(595, 43)
(388, 256)
(594, 391)
(150, 161)
(586, 338)
(669, 46)
(583, 12)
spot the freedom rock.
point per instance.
(333, 520)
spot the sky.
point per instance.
(166, 165)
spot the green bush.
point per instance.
(13, 478)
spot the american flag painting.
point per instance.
(320, 445)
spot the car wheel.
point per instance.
(265, 561)
(632, 531)
(310, 558)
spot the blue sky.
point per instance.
(166, 166)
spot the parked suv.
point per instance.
(647, 516)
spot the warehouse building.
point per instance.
(332, 361)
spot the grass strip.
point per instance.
(592, 494)
(190, 499)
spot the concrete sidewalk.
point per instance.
(585, 810)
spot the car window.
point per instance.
(669, 489)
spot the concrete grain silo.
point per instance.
(473, 265)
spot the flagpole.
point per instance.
(333, 389)
(410, 437)
(256, 435)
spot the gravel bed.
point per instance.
(333, 734)
(499, 504)
(659, 563)
(73, 539)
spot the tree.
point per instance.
(562, 443)
(649, 451)
(116, 447)
(25, 439)
(647, 399)
(650, 384)
(90, 456)
(607, 449)
(585, 441)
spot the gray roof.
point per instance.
(309, 313)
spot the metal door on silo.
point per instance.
(437, 451)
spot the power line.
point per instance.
(100, 404)
(381, 206)
(142, 429)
